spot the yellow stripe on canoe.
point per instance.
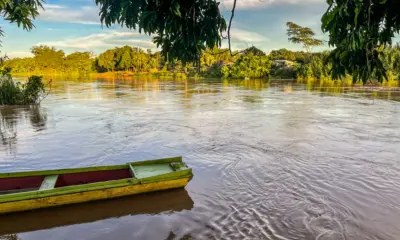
(45, 202)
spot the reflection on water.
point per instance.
(389, 91)
(271, 159)
(10, 115)
(168, 202)
(9, 237)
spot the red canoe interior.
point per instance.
(91, 177)
(21, 184)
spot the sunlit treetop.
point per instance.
(181, 28)
(302, 35)
(359, 29)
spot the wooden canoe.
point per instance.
(22, 191)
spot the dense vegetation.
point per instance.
(16, 93)
(360, 30)
(48, 60)
(252, 63)
(214, 62)
(127, 58)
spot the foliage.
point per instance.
(255, 51)
(33, 91)
(283, 69)
(302, 35)
(183, 29)
(10, 91)
(15, 93)
(48, 60)
(391, 62)
(248, 66)
(319, 68)
(106, 60)
(315, 68)
(284, 54)
(359, 30)
(21, 12)
(79, 63)
(211, 56)
(214, 71)
(127, 58)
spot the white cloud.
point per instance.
(133, 42)
(242, 39)
(241, 35)
(260, 4)
(53, 6)
(59, 13)
(102, 41)
(18, 54)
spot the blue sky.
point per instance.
(73, 25)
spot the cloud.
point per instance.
(260, 4)
(102, 41)
(60, 13)
(133, 42)
(53, 6)
(241, 35)
(18, 54)
(242, 39)
(110, 39)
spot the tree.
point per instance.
(123, 58)
(359, 31)
(248, 66)
(183, 29)
(391, 62)
(107, 60)
(20, 11)
(255, 51)
(48, 58)
(78, 62)
(302, 35)
(125, 61)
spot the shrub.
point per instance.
(15, 93)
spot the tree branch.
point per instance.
(230, 24)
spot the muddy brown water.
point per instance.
(271, 160)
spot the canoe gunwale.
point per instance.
(88, 169)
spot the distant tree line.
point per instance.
(214, 62)
(48, 60)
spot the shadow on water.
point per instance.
(175, 200)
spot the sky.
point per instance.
(74, 25)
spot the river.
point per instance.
(271, 160)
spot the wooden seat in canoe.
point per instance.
(145, 171)
(49, 182)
